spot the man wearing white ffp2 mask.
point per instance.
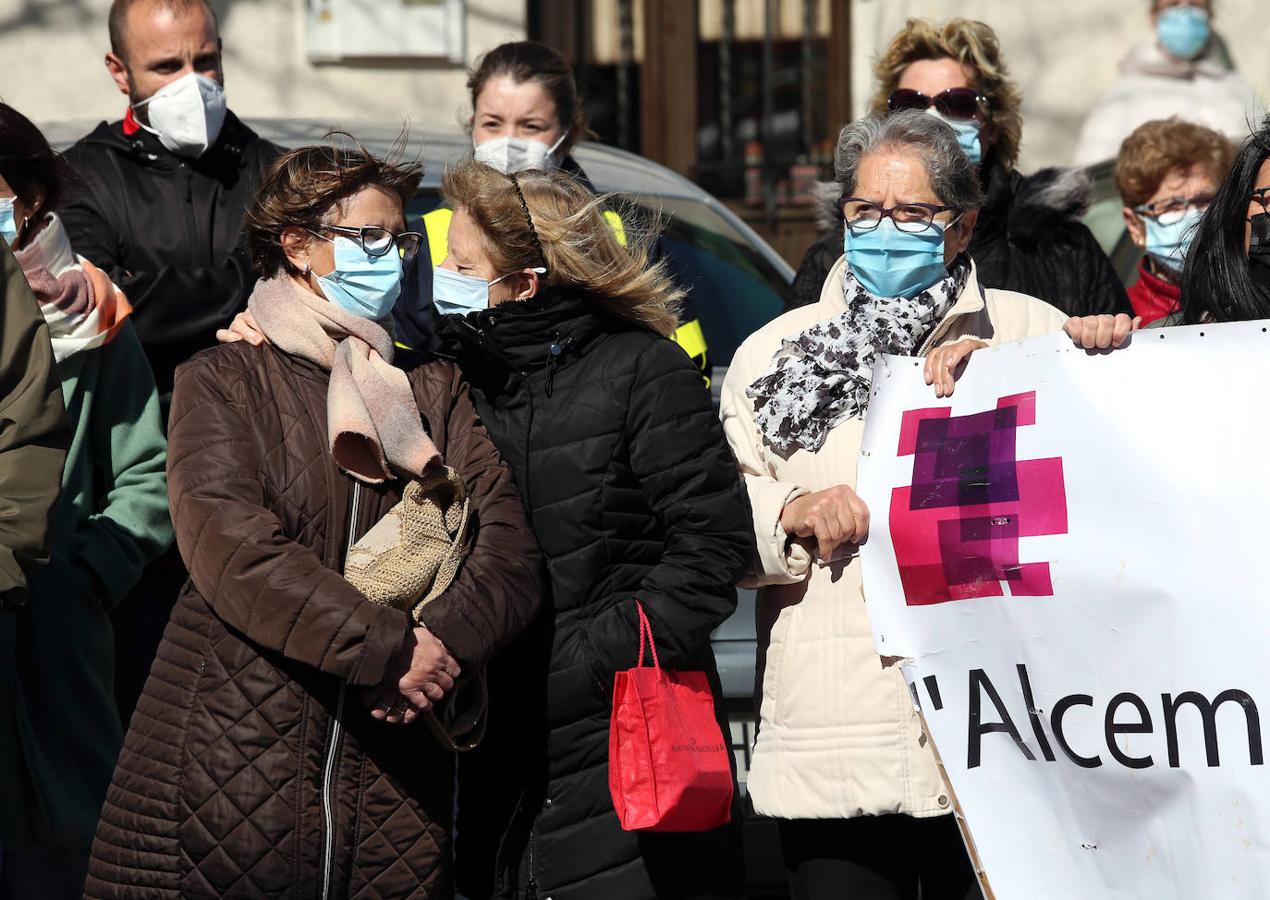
(185, 169)
(165, 192)
(186, 115)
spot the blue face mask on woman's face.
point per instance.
(455, 294)
(1183, 31)
(969, 136)
(8, 225)
(364, 285)
(893, 263)
(1169, 244)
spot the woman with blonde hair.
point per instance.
(632, 495)
(1029, 238)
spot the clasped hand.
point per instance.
(422, 675)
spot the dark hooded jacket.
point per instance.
(1029, 239)
(168, 230)
(632, 494)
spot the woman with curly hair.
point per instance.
(1029, 238)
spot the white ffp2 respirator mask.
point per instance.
(187, 114)
(512, 154)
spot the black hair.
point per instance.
(29, 164)
(1217, 284)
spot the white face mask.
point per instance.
(512, 154)
(187, 114)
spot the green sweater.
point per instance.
(109, 522)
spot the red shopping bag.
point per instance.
(668, 763)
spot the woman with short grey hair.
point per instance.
(840, 758)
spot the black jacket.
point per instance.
(168, 230)
(632, 494)
(1029, 239)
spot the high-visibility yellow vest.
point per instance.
(688, 335)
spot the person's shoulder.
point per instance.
(225, 368)
(1016, 316)
(106, 139)
(435, 378)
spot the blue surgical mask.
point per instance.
(8, 225)
(969, 136)
(364, 285)
(1168, 244)
(1183, 31)
(455, 294)
(893, 263)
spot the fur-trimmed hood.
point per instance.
(1025, 206)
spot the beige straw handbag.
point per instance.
(406, 561)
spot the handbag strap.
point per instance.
(646, 628)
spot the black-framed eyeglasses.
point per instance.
(1261, 196)
(955, 103)
(376, 241)
(863, 216)
(1172, 210)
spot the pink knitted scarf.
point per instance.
(373, 419)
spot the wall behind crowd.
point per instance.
(1065, 55)
(61, 43)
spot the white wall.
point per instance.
(54, 70)
(1064, 54)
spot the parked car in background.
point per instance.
(737, 284)
(1105, 219)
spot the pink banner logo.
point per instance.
(956, 530)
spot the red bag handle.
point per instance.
(646, 628)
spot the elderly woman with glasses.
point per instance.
(1167, 174)
(840, 758)
(1029, 237)
(274, 750)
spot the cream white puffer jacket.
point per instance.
(838, 736)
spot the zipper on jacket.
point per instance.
(333, 745)
(531, 885)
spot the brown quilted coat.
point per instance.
(251, 768)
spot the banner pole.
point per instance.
(962, 825)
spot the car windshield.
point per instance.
(731, 287)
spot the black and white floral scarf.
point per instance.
(821, 377)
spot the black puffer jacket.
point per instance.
(632, 493)
(168, 231)
(1029, 239)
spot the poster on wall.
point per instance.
(1070, 561)
(352, 30)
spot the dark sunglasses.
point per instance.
(955, 103)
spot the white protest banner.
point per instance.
(1071, 557)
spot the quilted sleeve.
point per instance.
(130, 525)
(497, 592)
(260, 582)
(678, 452)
